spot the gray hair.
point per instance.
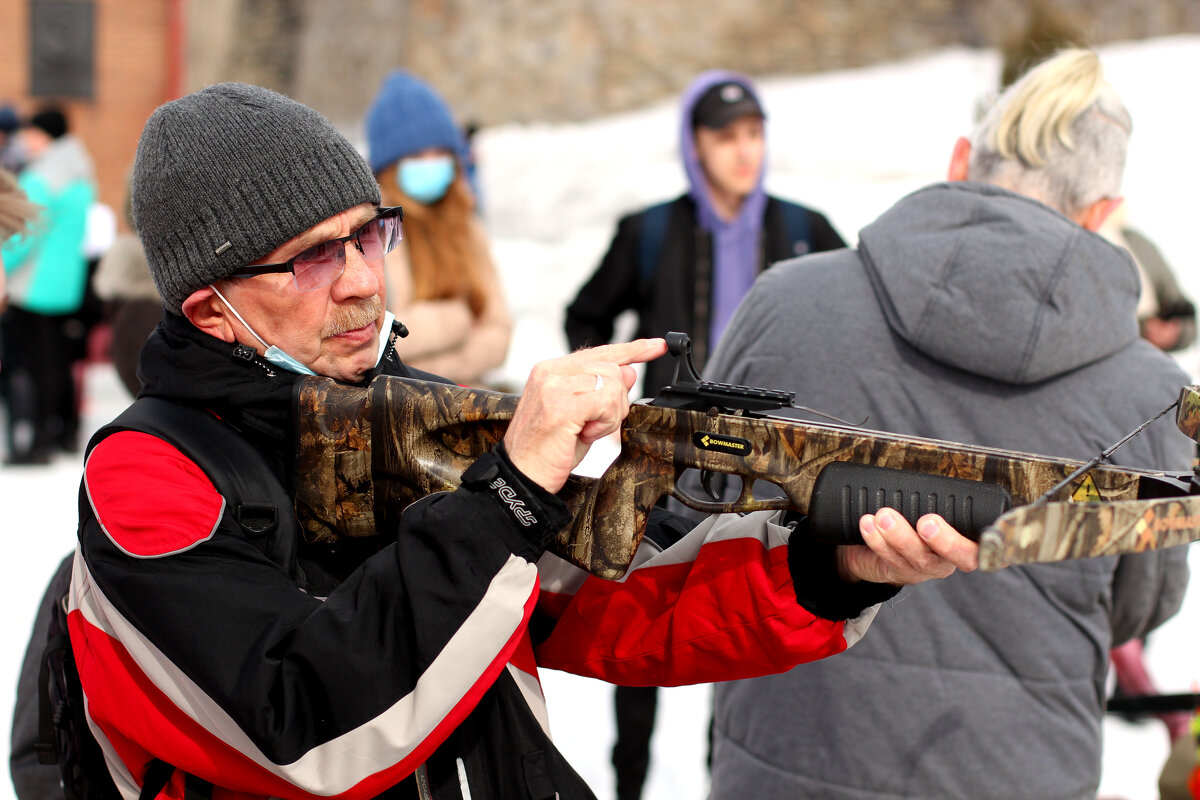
(1058, 135)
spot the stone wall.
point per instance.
(522, 60)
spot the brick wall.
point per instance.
(132, 77)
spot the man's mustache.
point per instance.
(349, 318)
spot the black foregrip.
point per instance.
(844, 491)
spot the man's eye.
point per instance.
(320, 252)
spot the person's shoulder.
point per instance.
(793, 206)
(1142, 359)
(149, 498)
(826, 266)
(683, 202)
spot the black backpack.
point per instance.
(63, 735)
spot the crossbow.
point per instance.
(366, 453)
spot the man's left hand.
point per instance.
(895, 553)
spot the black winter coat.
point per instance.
(674, 293)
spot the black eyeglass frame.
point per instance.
(252, 270)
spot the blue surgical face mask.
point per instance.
(281, 359)
(425, 180)
(273, 354)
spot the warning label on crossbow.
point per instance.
(1087, 492)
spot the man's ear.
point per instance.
(1093, 217)
(960, 160)
(206, 311)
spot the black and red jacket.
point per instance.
(287, 672)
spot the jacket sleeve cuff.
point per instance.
(534, 515)
(819, 588)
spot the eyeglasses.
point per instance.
(322, 264)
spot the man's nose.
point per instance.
(360, 278)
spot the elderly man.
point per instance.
(982, 310)
(215, 645)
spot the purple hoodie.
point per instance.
(735, 243)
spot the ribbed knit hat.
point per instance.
(225, 175)
(407, 116)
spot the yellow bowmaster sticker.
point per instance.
(1087, 491)
(721, 444)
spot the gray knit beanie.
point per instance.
(225, 175)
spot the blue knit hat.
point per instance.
(408, 116)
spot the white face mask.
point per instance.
(273, 354)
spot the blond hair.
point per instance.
(1058, 135)
(16, 212)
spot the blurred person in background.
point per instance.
(985, 309)
(1166, 316)
(684, 265)
(10, 156)
(131, 302)
(47, 276)
(441, 280)
(16, 213)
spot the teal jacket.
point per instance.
(46, 268)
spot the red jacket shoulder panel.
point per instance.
(149, 498)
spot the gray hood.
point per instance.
(997, 284)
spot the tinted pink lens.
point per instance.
(379, 237)
(319, 265)
(370, 239)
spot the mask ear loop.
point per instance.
(245, 324)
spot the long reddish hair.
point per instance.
(443, 251)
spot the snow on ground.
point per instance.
(849, 143)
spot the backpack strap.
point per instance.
(796, 222)
(650, 237)
(255, 497)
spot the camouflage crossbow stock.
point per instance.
(365, 454)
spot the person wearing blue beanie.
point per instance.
(441, 280)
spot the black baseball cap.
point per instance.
(724, 102)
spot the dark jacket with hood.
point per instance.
(669, 282)
(270, 667)
(971, 314)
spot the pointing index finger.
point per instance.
(624, 353)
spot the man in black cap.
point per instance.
(684, 265)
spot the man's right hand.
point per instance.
(571, 402)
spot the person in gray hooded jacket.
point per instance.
(980, 310)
